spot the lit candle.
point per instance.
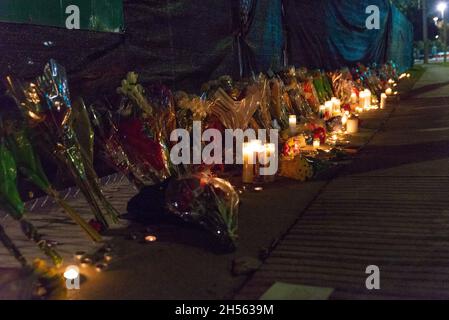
(107, 257)
(336, 103)
(79, 255)
(362, 98)
(352, 126)
(292, 122)
(353, 98)
(383, 101)
(268, 155)
(344, 120)
(150, 238)
(367, 99)
(248, 163)
(316, 143)
(71, 273)
(329, 107)
(389, 92)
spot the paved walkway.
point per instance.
(390, 208)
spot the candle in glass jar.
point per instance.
(383, 101)
(316, 143)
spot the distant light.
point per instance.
(435, 19)
(442, 7)
(150, 238)
(436, 37)
(71, 273)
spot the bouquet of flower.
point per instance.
(48, 108)
(209, 202)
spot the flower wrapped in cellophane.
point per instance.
(11, 202)
(57, 127)
(144, 127)
(209, 202)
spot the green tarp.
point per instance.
(97, 15)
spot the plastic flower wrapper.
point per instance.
(209, 202)
(236, 114)
(11, 202)
(113, 151)
(143, 128)
(48, 108)
(30, 167)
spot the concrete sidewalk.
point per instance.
(390, 209)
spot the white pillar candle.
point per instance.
(362, 97)
(336, 103)
(352, 126)
(344, 120)
(316, 143)
(383, 101)
(367, 99)
(353, 98)
(248, 163)
(292, 122)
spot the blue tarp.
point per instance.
(332, 34)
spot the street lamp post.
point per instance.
(442, 8)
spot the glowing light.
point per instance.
(150, 238)
(71, 273)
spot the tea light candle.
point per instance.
(248, 163)
(316, 143)
(150, 238)
(292, 122)
(352, 126)
(383, 101)
(79, 255)
(389, 92)
(107, 257)
(101, 267)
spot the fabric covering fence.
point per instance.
(184, 43)
(330, 34)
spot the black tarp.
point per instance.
(331, 34)
(184, 43)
